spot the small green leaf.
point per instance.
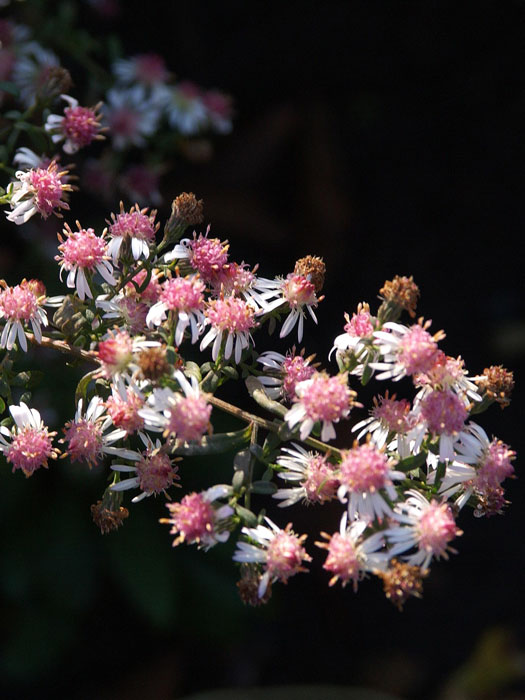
(413, 462)
(4, 388)
(82, 387)
(2, 405)
(21, 379)
(216, 444)
(248, 518)
(264, 487)
(192, 369)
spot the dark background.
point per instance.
(386, 137)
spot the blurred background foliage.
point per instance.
(387, 138)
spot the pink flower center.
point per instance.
(326, 398)
(18, 303)
(320, 483)
(133, 224)
(30, 449)
(156, 472)
(285, 556)
(393, 414)
(298, 291)
(124, 414)
(418, 350)
(495, 467)
(436, 528)
(83, 248)
(193, 517)
(295, 369)
(47, 187)
(183, 294)
(359, 325)
(208, 256)
(342, 559)
(444, 412)
(364, 469)
(80, 125)
(231, 314)
(116, 352)
(190, 418)
(85, 442)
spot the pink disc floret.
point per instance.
(326, 398)
(208, 255)
(418, 350)
(30, 449)
(124, 412)
(359, 325)
(321, 483)
(444, 412)
(298, 291)
(80, 125)
(231, 314)
(85, 441)
(342, 560)
(190, 418)
(18, 303)
(295, 368)
(192, 518)
(83, 249)
(285, 555)
(364, 468)
(156, 472)
(183, 293)
(436, 528)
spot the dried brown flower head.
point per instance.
(107, 517)
(186, 207)
(401, 581)
(401, 291)
(314, 267)
(153, 363)
(248, 586)
(498, 383)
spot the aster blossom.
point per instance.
(313, 472)
(77, 127)
(279, 552)
(30, 444)
(427, 526)
(134, 229)
(350, 555)
(184, 296)
(230, 319)
(83, 253)
(201, 518)
(321, 399)
(282, 373)
(38, 191)
(296, 291)
(20, 306)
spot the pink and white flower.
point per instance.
(185, 297)
(30, 444)
(38, 191)
(426, 526)
(231, 319)
(350, 555)
(298, 293)
(77, 127)
(131, 116)
(20, 306)
(279, 552)
(366, 473)
(315, 475)
(320, 398)
(135, 229)
(283, 373)
(83, 253)
(200, 518)
(206, 255)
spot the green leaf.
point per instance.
(4, 388)
(2, 405)
(82, 387)
(256, 391)
(410, 463)
(216, 444)
(192, 369)
(248, 518)
(264, 487)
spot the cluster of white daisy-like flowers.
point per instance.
(163, 324)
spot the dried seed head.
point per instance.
(248, 586)
(313, 267)
(108, 517)
(498, 383)
(188, 208)
(402, 292)
(401, 581)
(54, 81)
(153, 363)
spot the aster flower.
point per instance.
(123, 406)
(316, 476)
(206, 255)
(443, 414)
(135, 229)
(350, 555)
(448, 373)
(148, 69)
(20, 306)
(200, 518)
(185, 416)
(388, 417)
(116, 352)
(366, 473)
(296, 291)
(30, 444)
(320, 398)
(360, 326)
(153, 471)
(283, 373)
(83, 253)
(125, 310)
(219, 110)
(38, 191)
(131, 116)
(185, 297)
(279, 552)
(229, 318)
(405, 350)
(184, 107)
(426, 526)
(77, 127)
(480, 467)
(32, 69)
(86, 436)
